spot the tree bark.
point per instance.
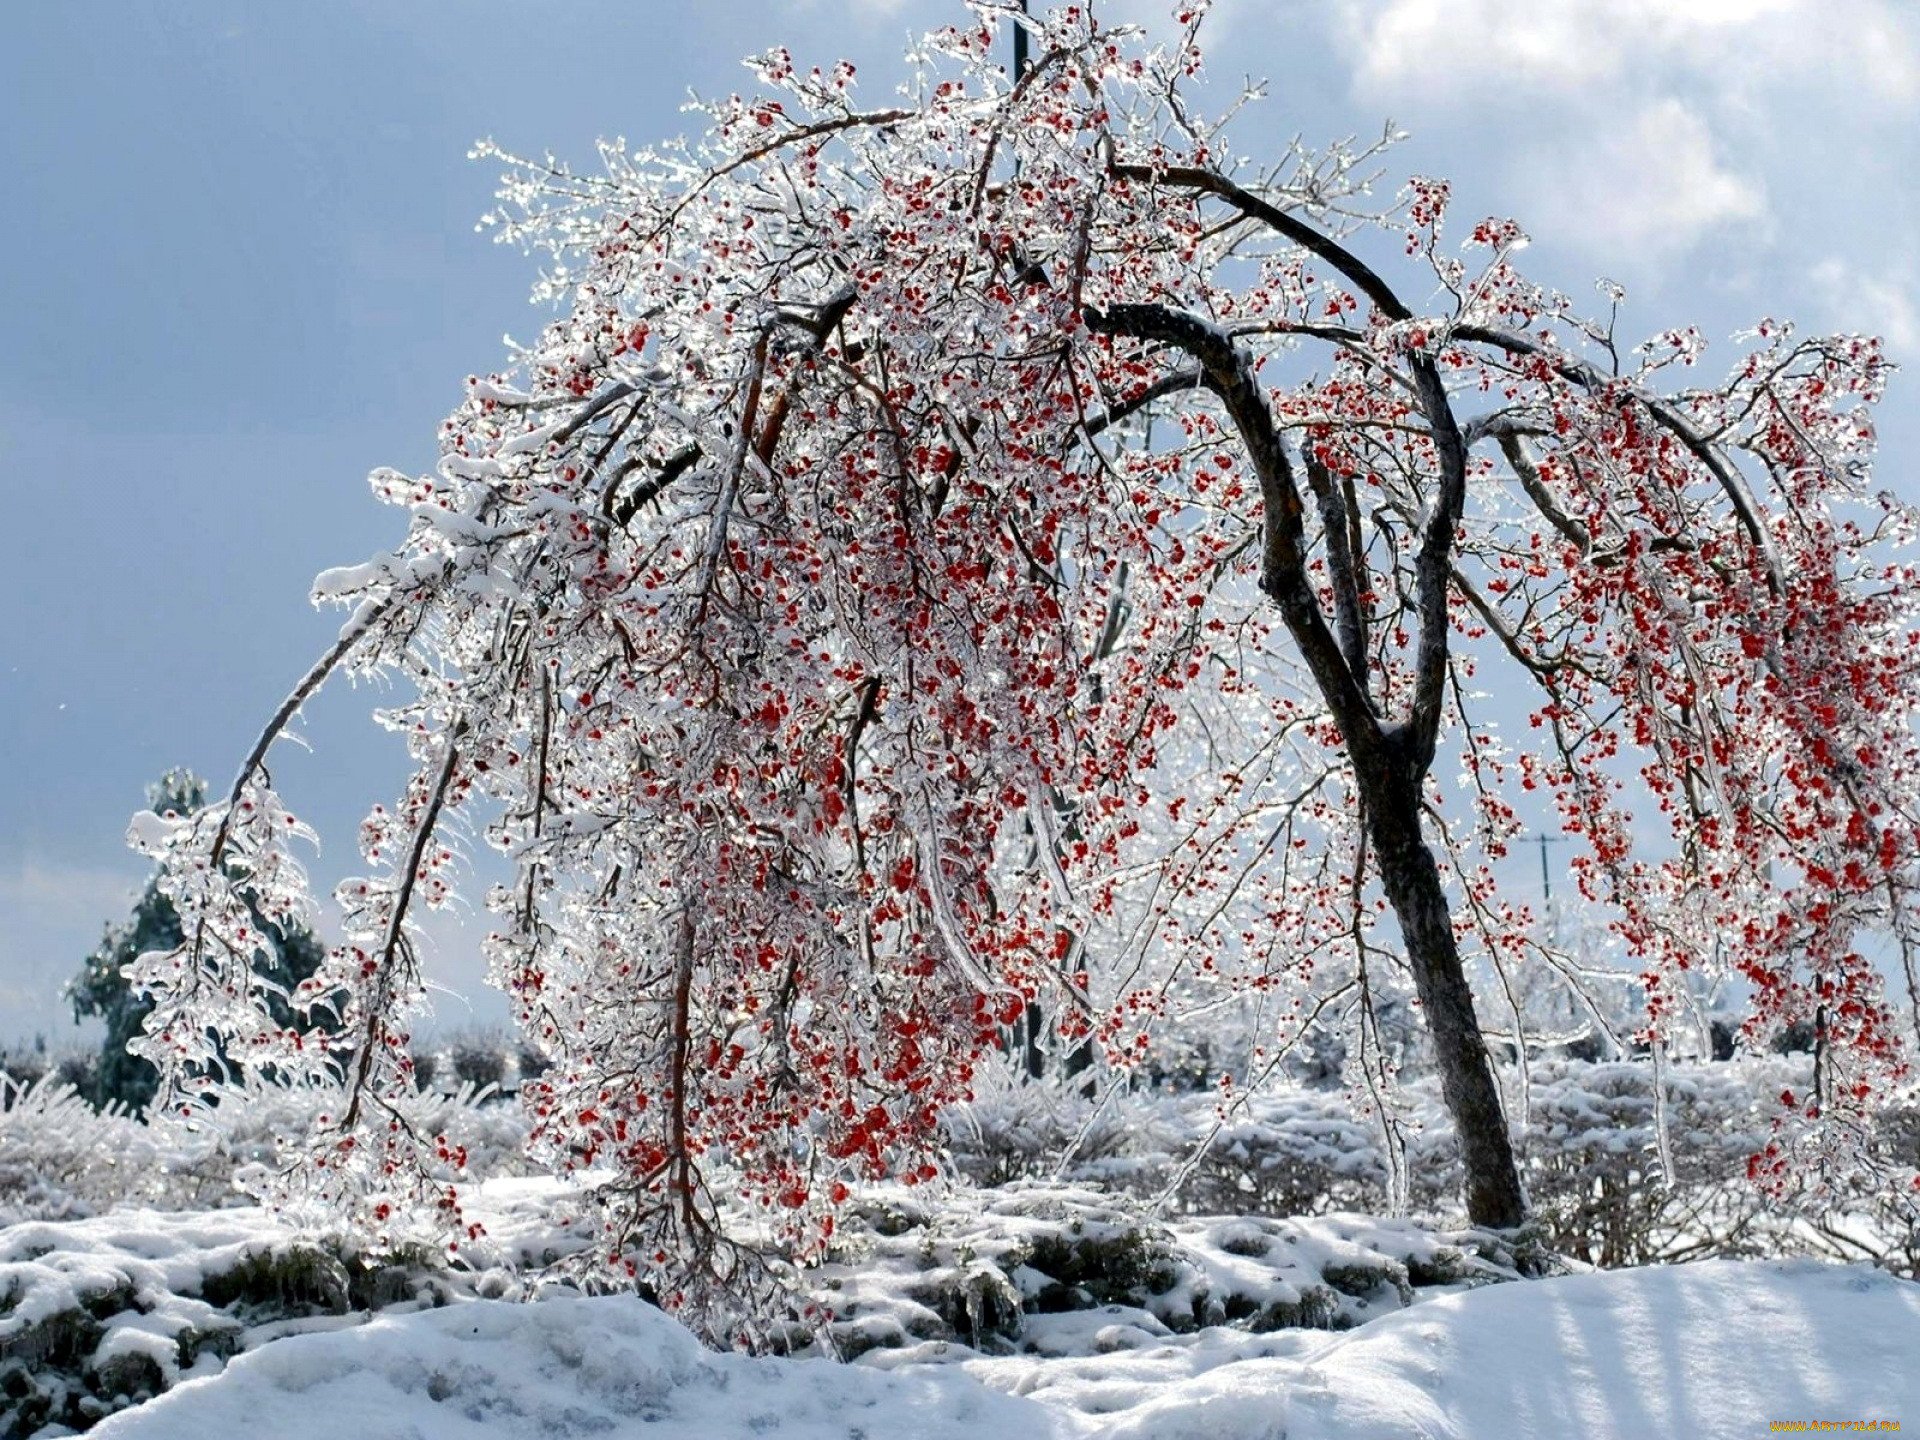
(1389, 761)
(1411, 878)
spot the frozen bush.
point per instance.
(60, 1158)
(1591, 1156)
(479, 1059)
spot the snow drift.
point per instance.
(558, 1369)
(1718, 1349)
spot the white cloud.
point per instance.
(1458, 47)
(50, 917)
(1648, 187)
(1633, 130)
(1880, 305)
(64, 895)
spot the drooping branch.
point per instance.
(818, 322)
(370, 614)
(395, 937)
(1256, 207)
(594, 409)
(1522, 464)
(1172, 383)
(620, 508)
(680, 1151)
(1725, 474)
(1229, 375)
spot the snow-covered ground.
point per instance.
(102, 1313)
(1718, 1349)
(1020, 1307)
(563, 1368)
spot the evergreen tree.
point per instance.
(101, 987)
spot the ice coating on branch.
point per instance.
(151, 833)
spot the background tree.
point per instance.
(810, 618)
(282, 959)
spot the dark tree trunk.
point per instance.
(1390, 761)
(1412, 882)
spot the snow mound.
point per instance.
(1717, 1349)
(101, 1313)
(1010, 1268)
(607, 1366)
(98, 1314)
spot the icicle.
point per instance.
(1661, 1138)
(1038, 811)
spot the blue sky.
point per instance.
(238, 270)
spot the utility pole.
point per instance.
(1546, 881)
(1020, 61)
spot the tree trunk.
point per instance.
(1412, 882)
(1389, 761)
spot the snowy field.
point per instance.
(1718, 1349)
(138, 1297)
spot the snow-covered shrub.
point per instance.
(60, 1158)
(1031, 1266)
(484, 1060)
(1025, 1131)
(426, 1068)
(1611, 1189)
(26, 1064)
(1591, 1155)
(530, 1062)
(479, 1060)
(1870, 1220)
(100, 1314)
(493, 1135)
(22, 1067)
(1290, 1152)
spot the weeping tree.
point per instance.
(994, 549)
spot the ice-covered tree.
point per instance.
(994, 544)
(282, 959)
